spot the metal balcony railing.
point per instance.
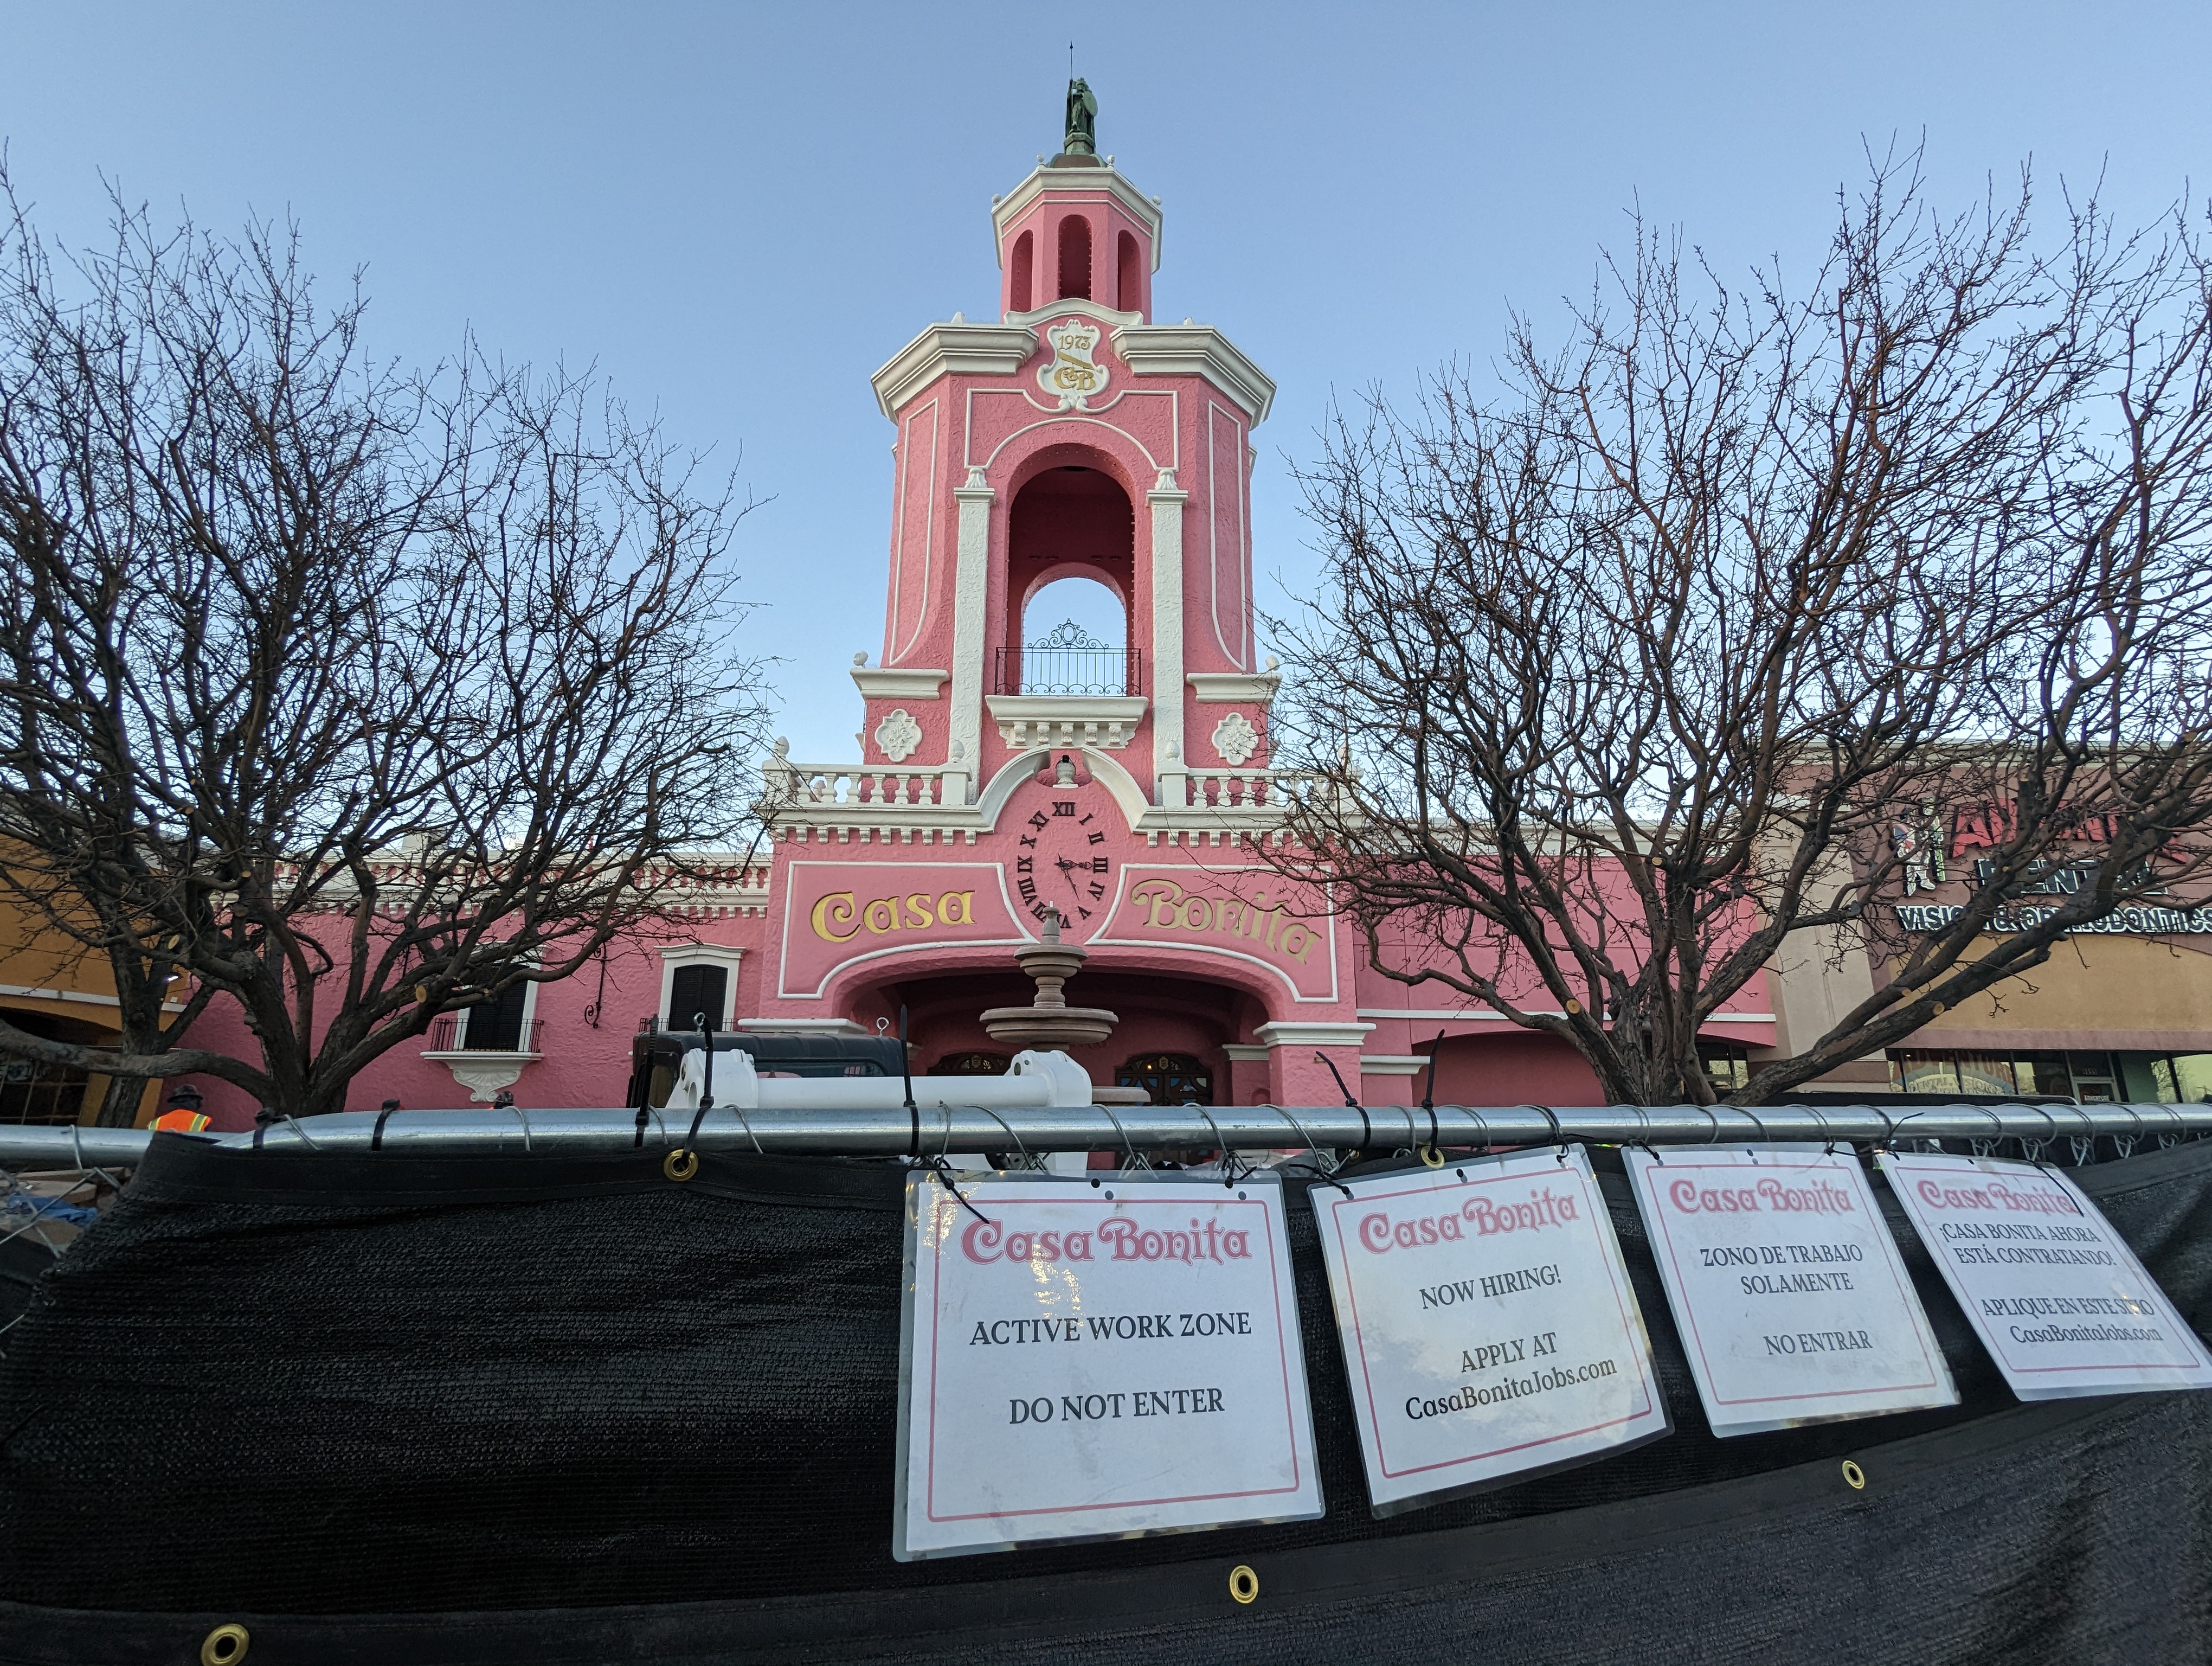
(1044, 668)
(487, 1037)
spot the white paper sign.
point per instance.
(2060, 1300)
(1097, 1360)
(1487, 1323)
(1792, 1301)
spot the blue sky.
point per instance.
(738, 212)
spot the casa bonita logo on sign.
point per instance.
(1073, 376)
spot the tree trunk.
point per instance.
(119, 1107)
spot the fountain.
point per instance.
(1049, 1023)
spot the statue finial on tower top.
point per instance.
(1080, 148)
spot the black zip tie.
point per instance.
(1435, 1150)
(906, 1074)
(1429, 1092)
(376, 1135)
(943, 1170)
(1560, 1139)
(1315, 1171)
(1366, 1128)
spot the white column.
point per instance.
(971, 590)
(1170, 755)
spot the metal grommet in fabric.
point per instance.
(1854, 1477)
(225, 1646)
(1243, 1583)
(1434, 1158)
(680, 1164)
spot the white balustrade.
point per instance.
(849, 787)
(1253, 790)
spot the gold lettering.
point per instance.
(918, 910)
(1157, 898)
(1297, 942)
(1197, 916)
(835, 909)
(965, 902)
(885, 910)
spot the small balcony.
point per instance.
(487, 1048)
(464, 1032)
(1062, 670)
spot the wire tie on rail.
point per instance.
(1137, 1164)
(1324, 1169)
(1029, 1163)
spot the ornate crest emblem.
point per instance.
(898, 734)
(1073, 376)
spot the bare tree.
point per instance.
(1694, 646)
(351, 696)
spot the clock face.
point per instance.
(1061, 858)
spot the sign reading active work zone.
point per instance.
(1089, 1360)
(1487, 1323)
(2059, 1300)
(1792, 1301)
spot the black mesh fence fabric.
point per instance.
(393, 1408)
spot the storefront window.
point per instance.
(1996, 1075)
(2183, 1078)
(1984, 1072)
(35, 1092)
(1923, 1073)
(1727, 1065)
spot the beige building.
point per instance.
(52, 988)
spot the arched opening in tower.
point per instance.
(1129, 282)
(1020, 287)
(1071, 538)
(1075, 258)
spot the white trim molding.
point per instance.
(881, 683)
(484, 1073)
(1166, 500)
(1103, 720)
(1392, 1064)
(1246, 1053)
(1234, 688)
(1312, 1034)
(674, 955)
(25, 992)
(802, 1027)
(1196, 350)
(1066, 182)
(941, 349)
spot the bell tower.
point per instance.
(1116, 775)
(1073, 436)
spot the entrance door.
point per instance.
(1168, 1078)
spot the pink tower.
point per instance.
(1125, 782)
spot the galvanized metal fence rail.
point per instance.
(949, 1129)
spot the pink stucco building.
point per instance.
(1128, 783)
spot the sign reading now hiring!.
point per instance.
(2058, 1298)
(1792, 1301)
(1487, 1323)
(1086, 1361)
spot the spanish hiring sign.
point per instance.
(2058, 1299)
(1087, 1360)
